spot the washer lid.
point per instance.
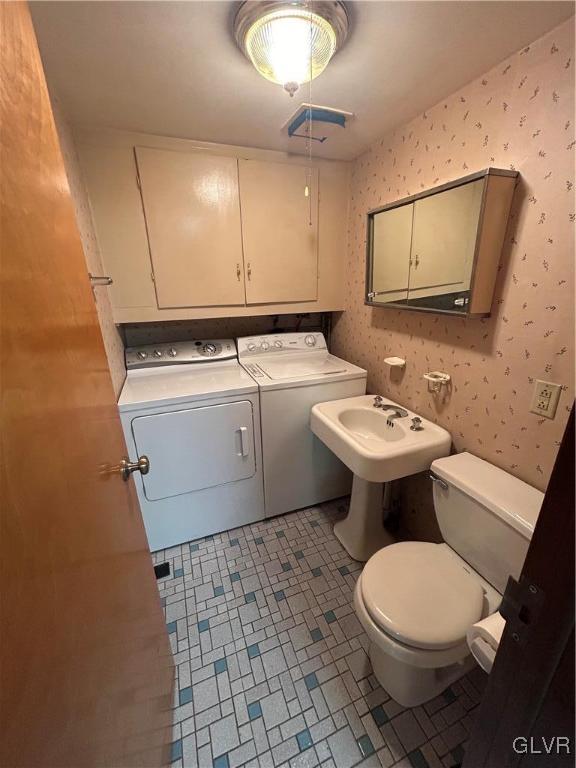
(420, 595)
(278, 367)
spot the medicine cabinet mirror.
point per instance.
(439, 251)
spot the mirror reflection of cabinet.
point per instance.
(438, 251)
(443, 239)
(392, 234)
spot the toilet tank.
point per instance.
(485, 515)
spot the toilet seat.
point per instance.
(419, 594)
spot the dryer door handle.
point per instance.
(243, 446)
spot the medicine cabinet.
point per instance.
(439, 250)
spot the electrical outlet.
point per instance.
(545, 398)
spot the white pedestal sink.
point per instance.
(377, 450)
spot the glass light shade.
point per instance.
(290, 46)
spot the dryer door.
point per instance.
(196, 448)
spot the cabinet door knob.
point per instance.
(238, 272)
(249, 271)
(417, 260)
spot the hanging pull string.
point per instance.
(308, 188)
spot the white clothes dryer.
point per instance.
(194, 412)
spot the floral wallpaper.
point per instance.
(520, 115)
(110, 334)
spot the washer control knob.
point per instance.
(157, 353)
(264, 346)
(251, 347)
(142, 355)
(209, 349)
(172, 352)
(310, 340)
(278, 344)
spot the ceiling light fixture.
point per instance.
(290, 43)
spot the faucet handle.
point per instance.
(416, 425)
(377, 401)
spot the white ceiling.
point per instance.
(173, 68)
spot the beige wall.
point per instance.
(112, 341)
(519, 115)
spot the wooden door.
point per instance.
(279, 231)
(86, 673)
(444, 239)
(529, 700)
(391, 239)
(192, 211)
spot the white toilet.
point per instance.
(416, 600)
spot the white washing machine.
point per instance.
(194, 412)
(294, 372)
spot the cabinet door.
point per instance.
(444, 239)
(192, 211)
(391, 240)
(279, 231)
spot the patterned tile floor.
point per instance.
(272, 665)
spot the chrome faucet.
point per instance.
(398, 413)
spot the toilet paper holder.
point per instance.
(521, 605)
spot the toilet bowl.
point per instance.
(417, 627)
(416, 600)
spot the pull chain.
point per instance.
(307, 189)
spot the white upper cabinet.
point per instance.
(279, 231)
(192, 230)
(192, 209)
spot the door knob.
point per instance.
(127, 467)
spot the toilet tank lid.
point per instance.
(514, 501)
